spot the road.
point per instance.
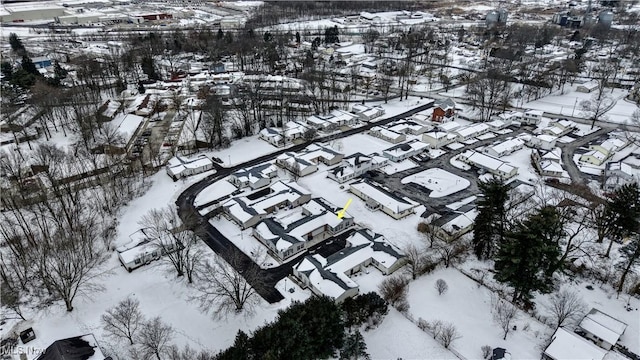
(569, 149)
(267, 279)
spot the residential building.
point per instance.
(588, 87)
(408, 127)
(296, 165)
(334, 120)
(504, 148)
(179, 167)
(438, 139)
(449, 126)
(254, 177)
(491, 164)
(387, 135)
(367, 113)
(278, 137)
(547, 163)
(78, 347)
(593, 157)
(456, 222)
(531, 117)
(567, 345)
(355, 165)
(287, 236)
(544, 142)
(377, 197)
(622, 172)
(250, 209)
(444, 110)
(330, 276)
(406, 150)
(559, 128)
(471, 131)
(609, 146)
(603, 329)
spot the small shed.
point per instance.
(588, 87)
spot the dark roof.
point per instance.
(326, 274)
(385, 247)
(255, 171)
(357, 156)
(332, 259)
(74, 348)
(445, 103)
(248, 209)
(279, 231)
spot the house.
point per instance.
(387, 135)
(544, 142)
(330, 276)
(504, 148)
(588, 87)
(334, 120)
(566, 345)
(609, 146)
(559, 128)
(471, 131)
(531, 117)
(180, 167)
(593, 157)
(291, 234)
(377, 197)
(355, 165)
(602, 329)
(296, 165)
(449, 126)
(250, 209)
(444, 110)
(547, 163)
(254, 177)
(408, 127)
(438, 139)
(406, 150)
(278, 137)
(321, 153)
(367, 113)
(456, 222)
(140, 255)
(491, 164)
(622, 172)
(503, 120)
(84, 347)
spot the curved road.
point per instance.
(265, 285)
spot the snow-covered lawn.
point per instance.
(214, 192)
(440, 182)
(468, 307)
(245, 241)
(621, 112)
(243, 150)
(568, 104)
(522, 160)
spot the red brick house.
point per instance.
(443, 109)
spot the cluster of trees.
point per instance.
(531, 243)
(317, 328)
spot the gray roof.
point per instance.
(326, 274)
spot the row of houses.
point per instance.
(305, 162)
(493, 165)
(599, 153)
(330, 275)
(397, 131)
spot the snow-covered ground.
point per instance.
(440, 182)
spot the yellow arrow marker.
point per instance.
(344, 209)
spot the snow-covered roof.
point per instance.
(472, 130)
(507, 145)
(255, 173)
(178, 164)
(386, 133)
(411, 147)
(325, 281)
(384, 197)
(449, 126)
(244, 209)
(566, 345)
(597, 154)
(488, 162)
(603, 326)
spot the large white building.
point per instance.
(21, 12)
(378, 197)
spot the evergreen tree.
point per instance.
(630, 252)
(331, 35)
(298, 37)
(354, 347)
(220, 34)
(28, 65)
(7, 70)
(148, 67)
(528, 255)
(624, 210)
(267, 36)
(240, 349)
(16, 43)
(490, 224)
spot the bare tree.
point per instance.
(503, 314)
(175, 238)
(441, 286)
(394, 289)
(566, 305)
(10, 300)
(417, 261)
(486, 351)
(452, 248)
(153, 339)
(223, 289)
(448, 334)
(123, 320)
(595, 108)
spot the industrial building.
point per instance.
(22, 12)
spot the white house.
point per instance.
(602, 329)
(559, 128)
(621, 172)
(457, 222)
(287, 236)
(367, 113)
(408, 127)
(491, 164)
(143, 254)
(547, 163)
(387, 135)
(594, 157)
(330, 276)
(249, 210)
(406, 150)
(179, 167)
(567, 345)
(609, 146)
(588, 87)
(355, 165)
(531, 117)
(377, 197)
(254, 177)
(296, 165)
(278, 137)
(438, 139)
(544, 142)
(504, 148)
(449, 126)
(335, 119)
(471, 131)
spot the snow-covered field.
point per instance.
(440, 182)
